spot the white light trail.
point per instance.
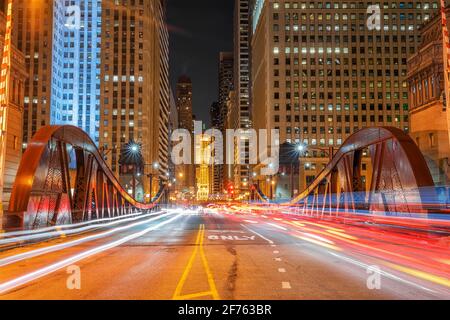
(33, 253)
(11, 284)
(68, 226)
(58, 231)
(277, 226)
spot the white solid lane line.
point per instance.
(11, 284)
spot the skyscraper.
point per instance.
(33, 24)
(134, 86)
(61, 43)
(217, 122)
(321, 71)
(75, 96)
(242, 33)
(225, 84)
(215, 116)
(184, 103)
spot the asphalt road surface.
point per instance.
(201, 255)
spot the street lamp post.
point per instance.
(303, 148)
(154, 166)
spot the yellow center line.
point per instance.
(213, 290)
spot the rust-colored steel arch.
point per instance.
(44, 192)
(398, 183)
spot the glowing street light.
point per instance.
(301, 147)
(134, 148)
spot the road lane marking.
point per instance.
(285, 285)
(231, 238)
(14, 283)
(281, 270)
(259, 235)
(276, 252)
(277, 259)
(212, 286)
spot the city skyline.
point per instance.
(248, 150)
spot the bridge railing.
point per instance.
(63, 178)
(399, 180)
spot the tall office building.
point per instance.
(217, 122)
(33, 23)
(173, 125)
(14, 111)
(186, 172)
(225, 84)
(215, 116)
(323, 70)
(134, 86)
(428, 115)
(75, 90)
(242, 33)
(184, 103)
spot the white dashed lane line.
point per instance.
(284, 284)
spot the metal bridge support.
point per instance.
(399, 182)
(43, 193)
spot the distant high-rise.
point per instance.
(225, 84)
(134, 86)
(186, 172)
(184, 103)
(321, 73)
(217, 122)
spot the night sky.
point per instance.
(199, 30)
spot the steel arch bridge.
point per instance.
(63, 178)
(400, 181)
